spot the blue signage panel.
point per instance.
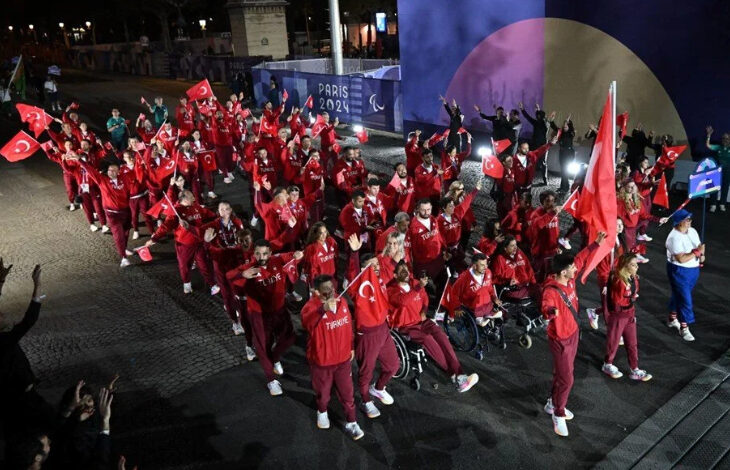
(704, 183)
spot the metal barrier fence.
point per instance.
(326, 66)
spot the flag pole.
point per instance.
(613, 149)
(352, 282)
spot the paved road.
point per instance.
(188, 399)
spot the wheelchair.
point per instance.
(467, 336)
(525, 313)
(412, 358)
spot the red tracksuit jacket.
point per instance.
(276, 218)
(544, 232)
(352, 222)
(224, 246)
(473, 294)
(321, 258)
(195, 215)
(353, 175)
(427, 183)
(406, 305)
(426, 244)
(264, 293)
(114, 194)
(452, 166)
(517, 267)
(330, 333)
(451, 229)
(525, 173)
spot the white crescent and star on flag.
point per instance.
(361, 291)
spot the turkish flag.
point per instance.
(340, 178)
(290, 269)
(667, 159)
(362, 136)
(47, 145)
(446, 133)
(661, 197)
(285, 95)
(255, 175)
(144, 253)
(245, 112)
(267, 127)
(395, 181)
(434, 139)
(162, 206)
(336, 148)
(622, 120)
(36, 118)
(141, 146)
(74, 105)
(318, 126)
(500, 146)
(310, 102)
(491, 166)
(404, 203)
(597, 204)
(297, 139)
(20, 147)
(207, 160)
(571, 204)
(200, 91)
(367, 295)
(166, 168)
(142, 100)
(448, 300)
(462, 130)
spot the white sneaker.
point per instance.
(644, 238)
(323, 420)
(231, 177)
(128, 252)
(686, 335)
(274, 388)
(135, 235)
(254, 221)
(612, 371)
(250, 353)
(621, 341)
(592, 318)
(465, 382)
(296, 296)
(212, 195)
(674, 323)
(382, 395)
(72, 207)
(550, 409)
(353, 430)
(370, 410)
(639, 374)
(237, 329)
(482, 321)
(713, 208)
(104, 229)
(93, 228)
(215, 289)
(125, 262)
(723, 208)
(227, 180)
(560, 426)
(641, 259)
(494, 315)
(565, 243)
(187, 287)
(278, 369)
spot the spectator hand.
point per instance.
(105, 407)
(354, 242)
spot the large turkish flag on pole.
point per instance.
(366, 293)
(597, 202)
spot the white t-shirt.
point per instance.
(50, 86)
(680, 243)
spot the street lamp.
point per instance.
(65, 36)
(60, 25)
(202, 24)
(30, 27)
(88, 25)
(92, 30)
(10, 28)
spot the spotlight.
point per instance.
(484, 151)
(312, 119)
(357, 128)
(574, 168)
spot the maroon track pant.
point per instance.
(269, 328)
(185, 256)
(118, 223)
(339, 375)
(616, 327)
(563, 352)
(436, 344)
(90, 203)
(139, 206)
(373, 344)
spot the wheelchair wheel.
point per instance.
(525, 341)
(403, 356)
(415, 384)
(462, 332)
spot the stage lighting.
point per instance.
(575, 167)
(312, 119)
(357, 128)
(484, 151)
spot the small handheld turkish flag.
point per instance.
(244, 112)
(501, 145)
(20, 147)
(267, 127)
(661, 198)
(290, 269)
(336, 148)
(162, 206)
(340, 178)
(166, 168)
(395, 181)
(462, 130)
(318, 126)
(141, 146)
(141, 117)
(144, 253)
(622, 121)
(571, 204)
(297, 140)
(367, 295)
(285, 95)
(362, 136)
(491, 166)
(200, 90)
(310, 102)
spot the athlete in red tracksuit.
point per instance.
(115, 199)
(560, 306)
(312, 178)
(69, 181)
(525, 161)
(221, 239)
(544, 233)
(507, 189)
(263, 281)
(511, 268)
(354, 218)
(187, 227)
(279, 222)
(321, 253)
(450, 227)
(427, 179)
(517, 221)
(623, 290)
(138, 192)
(475, 291)
(327, 140)
(349, 174)
(187, 167)
(427, 245)
(291, 162)
(201, 150)
(409, 301)
(451, 161)
(402, 193)
(185, 116)
(330, 352)
(375, 205)
(222, 138)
